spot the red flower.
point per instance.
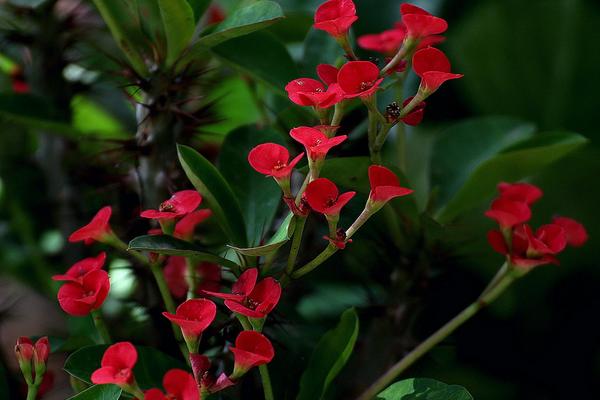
(200, 367)
(32, 357)
(24, 350)
(575, 232)
(207, 274)
(359, 79)
(385, 185)
(327, 73)
(524, 192)
(251, 350)
(419, 23)
(254, 300)
(433, 67)
(81, 268)
(415, 117)
(335, 17)
(272, 159)
(387, 42)
(316, 143)
(193, 317)
(184, 229)
(323, 196)
(311, 92)
(117, 365)
(97, 230)
(178, 384)
(180, 203)
(80, 298)
(508, 213)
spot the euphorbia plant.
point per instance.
(221, 344)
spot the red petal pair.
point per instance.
(96, 231)
(311, 92)
(433, 67)
(178, 384)
(81, 268)
(180, 203)
(335, 17)
(508, 213)
(385, 185)
(323, 197)
(80, 298)
(359, 79)
(419, 23)
(193, 317)
(27, 351)
(316, 143)
(117, 365)
(272, 159)
(387, 42)
(251, 349)
(249, 298)
(184, 229)
(208, 276)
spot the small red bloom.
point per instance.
(311, 92)
(207, 274)
(178, 384)
(81, 268)
(193, 317)
(335, 17)
(323, 196)
(433, 67)
(508, 213)
(529, 250)
(387, 42)
(180, 203)
(200, 367)
(316, 143)
(80, 298)
(359, 79)
(385, 185)
(272, 159)
(117, 365)
(184, 229)
(251, 350)
(524, 192)
(415, 117)
(419, 23)
(254, 300)
(576, 233)
(97, 230)
(327, 73)
(24, 349)
(42, 350)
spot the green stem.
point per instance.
(32, 391)
(101, 326)
(296, 241)
(407, 47)
(401, 146)
(338, 113)
(486, 298)
(372, 135)
(315, 262)
(246, 325)
(266, 382)
(191, 278)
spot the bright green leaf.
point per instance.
(258, 196)
(242, 22)
(424, 389)
(330, 356)
(99, 392)
(149, 369)
(216, 192)
(169, 245)
(178, 21)
(520, 161)
(261, 55)
(281, 237)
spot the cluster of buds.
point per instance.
(523, 247)
(32, 358)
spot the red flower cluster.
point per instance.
(523, 246)
(249, 298)
(32, 358)
(86, 286)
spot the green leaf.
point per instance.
(461, 148)
(281, 237)
(330, 356)
(99, 392)
(178, 21)
(261, 55)
(242, 22)
(169, 245)
(119, 22)
(258, 196)
(149, 369)
(424, 389)
(349, 172)
(199, 7)
(522, 160)
(217, 193)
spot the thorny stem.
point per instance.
(442, 333)
(101, 326)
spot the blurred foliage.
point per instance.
(69, 147)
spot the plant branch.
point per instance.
(101, 326)
(266, 382)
